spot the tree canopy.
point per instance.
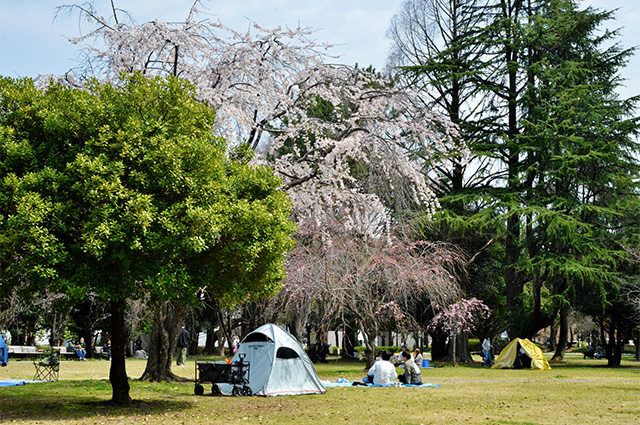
(123, 190)
(553, 175)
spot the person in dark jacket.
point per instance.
(183, 343)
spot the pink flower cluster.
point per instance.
(461, 317)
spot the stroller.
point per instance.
(236, 374)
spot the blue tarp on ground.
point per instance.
(16, 382)
(329, 384)
(12, 382)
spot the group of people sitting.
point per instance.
(78, 347)
(383, 371)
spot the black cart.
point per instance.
(236, 374)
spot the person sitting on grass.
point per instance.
(412, 374)
(382, 371)
(417, 357)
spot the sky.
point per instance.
(32, 42)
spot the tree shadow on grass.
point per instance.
(56, 402)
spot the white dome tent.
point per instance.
(278, 364)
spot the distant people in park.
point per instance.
(594, 353)
(486, 353)
(138, 344)
(396, 359)
(382, 371)
(417, 357)
(70, 345)
(402, 350)
(318, 352)
(183, 344)
(412, 374)
(523, 361)
(80, 349)
(4, 352)
(139, 352)
(6, 335)
(106, 349)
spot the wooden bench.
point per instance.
(64, 351)
(25, 351)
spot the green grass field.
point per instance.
(575, 392)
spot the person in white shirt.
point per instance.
(486, 353)
(382, 371)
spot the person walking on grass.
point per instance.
(183, 343)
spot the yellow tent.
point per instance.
(509, 354)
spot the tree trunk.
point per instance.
(370, 343)
(616, 343)
(438, 346)
(209, 345)
(611, 346)
(226, 326)
(454, 338)
(563, 334)
(553, 335)
(296, 327)
(463, 354)
(348, 341)
(168, 318)
(57, 328)
(461, 349)
(637, 343)
(118, 373)
(222, 340)
(603, 339)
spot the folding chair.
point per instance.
(48, 368)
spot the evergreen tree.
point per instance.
(561, 147)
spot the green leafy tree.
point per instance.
(123, 191)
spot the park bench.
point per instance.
(25, 351)
(64, 351)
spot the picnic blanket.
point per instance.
(345, 383)
(15, 382)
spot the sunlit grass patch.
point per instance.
(578, 392)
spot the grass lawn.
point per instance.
(575, 392)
